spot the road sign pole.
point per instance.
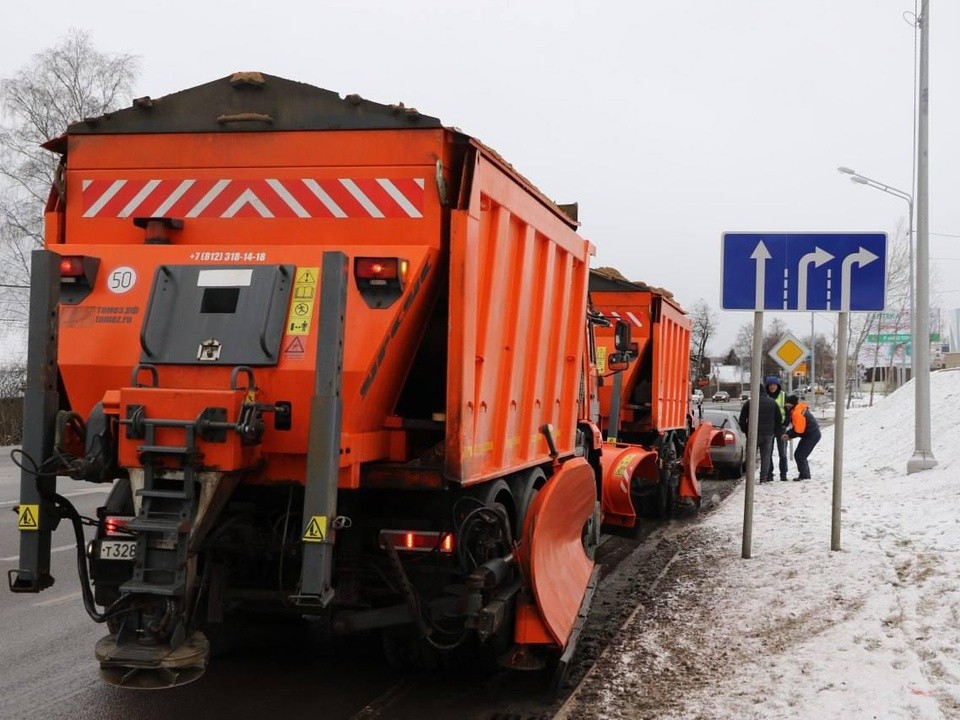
(813, 360)
(839, 394)
(752, 424)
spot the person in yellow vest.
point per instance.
(801, 424)
(775, 390)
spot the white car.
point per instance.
(696, 397)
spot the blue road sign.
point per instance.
(829, 272)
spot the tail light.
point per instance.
(116, 525)
(378, 270)
(418, 540)
(77, 275)
(380, 280)
(729, 438)
(71, 267)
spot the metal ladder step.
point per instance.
(164, 449)
(147, 588)
(158, 525)
(170, 494)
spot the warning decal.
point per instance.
(301, 305)
(316, 529)
(601, 360)
(28, 517)
(294, 348)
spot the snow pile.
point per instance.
(799, 631)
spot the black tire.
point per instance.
(666, 491)
(524, 487)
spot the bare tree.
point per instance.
(67, 82)
(704, 326)
(13, 381)
(895, 320)
(743, 347)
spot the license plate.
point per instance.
(118, 549)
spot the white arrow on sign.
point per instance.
(818, 258)
(760, 254)
(861, 257)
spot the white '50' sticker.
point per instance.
(121, 279)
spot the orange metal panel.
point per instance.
(634, 309)
(621, 465)
(99, 346)
(696, 454)
(181, 172)
(665, 330)
(671, 369)
(552, 554)
(518, 281)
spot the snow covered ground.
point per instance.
(800, 631)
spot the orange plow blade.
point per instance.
(620, 466)
(696, 455)
(554, 560)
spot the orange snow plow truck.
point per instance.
(336, 360)
(651, 452)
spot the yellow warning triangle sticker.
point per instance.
(316, 529)
(27, 517)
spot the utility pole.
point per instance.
(923, 458)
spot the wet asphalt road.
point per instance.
(48, 671)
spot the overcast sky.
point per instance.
(669, 122)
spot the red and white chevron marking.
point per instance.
(265, 198)
(617, 316)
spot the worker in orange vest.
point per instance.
(801, 424)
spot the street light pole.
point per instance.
(903, 195)
(923, 458)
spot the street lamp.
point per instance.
(903, 195)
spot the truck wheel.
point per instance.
(524, 487)
(667, 487)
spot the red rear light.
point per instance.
(418, 541)
(380, 280)
(71, 266)
(729, 438)
(379, 270)
(114, 525)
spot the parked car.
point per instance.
(730, 459)
(696, 397)
(721, 396)
(744, 396)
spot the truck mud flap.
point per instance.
(553, 558)
(622, 465)
(696, 455)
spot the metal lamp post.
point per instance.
(922, 458)
(903, 195)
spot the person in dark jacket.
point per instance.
(775, 391)
(769, 429)
(801, 424)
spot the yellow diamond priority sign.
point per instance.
(789, 352)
